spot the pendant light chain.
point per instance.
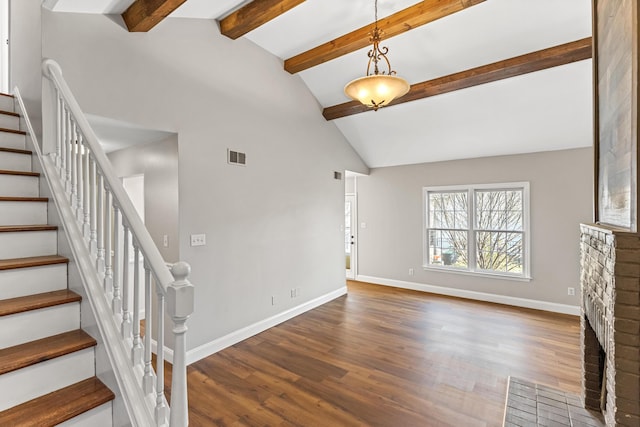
(375, 8)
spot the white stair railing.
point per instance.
(103, 227)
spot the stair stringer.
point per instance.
(103, 366)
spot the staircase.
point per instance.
(47, 363)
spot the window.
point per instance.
(478, 228)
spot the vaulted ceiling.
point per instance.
(489, 77)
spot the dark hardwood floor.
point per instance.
(385, 357)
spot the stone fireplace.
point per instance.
(610, 323)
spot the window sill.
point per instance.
(478, 273)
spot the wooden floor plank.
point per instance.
(385, 357)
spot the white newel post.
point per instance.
(180, 303)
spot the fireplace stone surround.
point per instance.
(610, 321)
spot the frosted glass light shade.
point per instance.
(376, 90)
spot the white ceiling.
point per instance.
(115, 134)
(547, 110)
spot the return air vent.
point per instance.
(236, 158)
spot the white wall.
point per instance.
(561, 182)
(25, 55)
(272, 225)
(158, 162)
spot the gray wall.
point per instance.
(158, 162)
(271, 226)
(390, 203)
(25, 55)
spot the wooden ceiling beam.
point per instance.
(528, 63)
(412, 17)
(254, 14)
(143, 15)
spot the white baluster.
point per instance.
(86, 196)
(136, 350)
(161, 408)
(180, 300)
(126, 286)
(74, 167)
(58, 129)
(108, 236)
(93, 202)
(147, 380)
(79, 179)
(63, 140)
(116, 304)
(70, 161)
(100, 223)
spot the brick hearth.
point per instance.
(610, 279)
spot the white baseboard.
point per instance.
(479, 296)
(235, 337)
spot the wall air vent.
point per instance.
(337, 175)
(236, 158)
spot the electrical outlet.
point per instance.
(411, 272)
(273, 300)
(292, 293)
(571, 291)
(198, 239)
(165, 241)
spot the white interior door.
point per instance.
(350, 228)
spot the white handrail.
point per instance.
(103, 227)
(152, 254)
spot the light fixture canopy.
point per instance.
(380, 88)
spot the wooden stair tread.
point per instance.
(58, 406)
(20, 132)
(9, 113)
(8, 172)
(36, 261)
(40, 227)
(24, 199)
(38, 301)
(15, 150)
(6, 94)
(27, 354)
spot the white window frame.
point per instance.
(471, 243)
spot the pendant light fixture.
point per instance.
(383, 86)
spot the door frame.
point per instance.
(352, 273)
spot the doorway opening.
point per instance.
(4, 46)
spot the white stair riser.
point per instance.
(15, 161)
(37, 380)
(12, 140)
(19, 186)
(35, 324)
(20, 282)
(21, 244)
(23, 213)
(97, 417)
(6, 103)
(8, 121)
